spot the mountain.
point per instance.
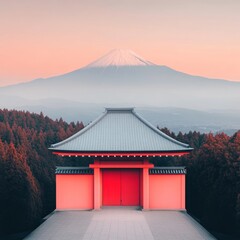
(123, 78)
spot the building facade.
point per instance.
(121, 144)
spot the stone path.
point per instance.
(119, 223)
(175, 225)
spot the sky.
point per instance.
(39, 39)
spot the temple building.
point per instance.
(121, 144)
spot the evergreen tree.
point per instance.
(27, 179)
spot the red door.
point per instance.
(120, 187)
(130, 187)
(111, 186)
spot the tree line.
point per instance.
(27, 167)
(213, 179)
(27, 172)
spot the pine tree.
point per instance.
(21, 199)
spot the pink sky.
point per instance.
(52, 37)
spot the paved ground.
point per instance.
(119, 224)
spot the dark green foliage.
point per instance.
(21, 200)
(27, 179)
(213, 179)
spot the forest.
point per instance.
(27, 172)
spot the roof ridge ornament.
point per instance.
(118, 109)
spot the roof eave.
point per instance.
(120, 153)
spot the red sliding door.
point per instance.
(111, 187)
(120, 187)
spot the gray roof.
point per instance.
(167, 170)
(74, 170)
(120, 130)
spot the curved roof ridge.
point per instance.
(159, 131)
(90, 125)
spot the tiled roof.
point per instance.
(168, 170)
(73, 170)
(120, 130)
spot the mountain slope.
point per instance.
(136, 85)
(122, 78)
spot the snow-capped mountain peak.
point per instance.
(120, 57)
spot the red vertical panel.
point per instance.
(130, 187)
(167, 192)
(141, 187)
(74, 192)
(111, 187)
